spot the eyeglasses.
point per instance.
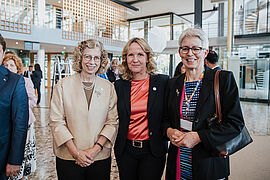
(195, 50)
(89, 58)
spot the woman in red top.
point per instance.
(140, 147)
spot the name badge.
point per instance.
(185, 124)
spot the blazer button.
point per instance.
(197, 120)
(150, 133)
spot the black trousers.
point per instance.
(139, 163)
(68, 170)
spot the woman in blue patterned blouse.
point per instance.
(189, 102)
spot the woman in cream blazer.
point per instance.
(83, 117)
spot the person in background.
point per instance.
(113, 72)
(103, 69)
(14, 64)
(188, 105)
(180, 69)
(140, 147)
(36, 78)
(211, 60)
(29, 73)
(14, 113)
(83, 117)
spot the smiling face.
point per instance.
(190, 60)
(136, 61)
(91, 60)
(10, 65)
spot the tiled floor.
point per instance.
(247, 164)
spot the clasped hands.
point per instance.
(178, 138)
(85, 158)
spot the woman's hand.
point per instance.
(188, 140)
(12, 170)
(173, 135)
(93, 151)
(83, 159)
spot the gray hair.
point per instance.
(195, 32)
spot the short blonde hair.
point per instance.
(16, 59)
(78, 53)
(151, 66)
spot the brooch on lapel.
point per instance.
(154, 88)
(177, 92)
(99, 92)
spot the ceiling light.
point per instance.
(64, 47)
(17, 42)
(59, 2)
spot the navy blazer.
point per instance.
(204, 165)
(157, 87)
(14, 116)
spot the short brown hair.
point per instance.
(17, 61)
(78, 53)
(151, 66)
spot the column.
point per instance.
(198, 12)
(41, 62)
(41, 12)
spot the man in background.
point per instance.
(29, 73)
(211, 60)
(14, 115)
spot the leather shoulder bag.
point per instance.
(237, 143)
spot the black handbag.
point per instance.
(237, 143)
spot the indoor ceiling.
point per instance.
(146, 8)
(151, 7)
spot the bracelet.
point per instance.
(97, 143)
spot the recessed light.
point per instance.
(59, 2)
(64, 47)
(17, 42)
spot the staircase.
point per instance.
(251, 19)
(259, 78)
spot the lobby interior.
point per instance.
(244, 49)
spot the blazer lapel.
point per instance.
(206, 89)
(153, 91)
(80, 94)
(3, 76)
(177, 90)
(126, 94)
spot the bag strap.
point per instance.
(217, 96)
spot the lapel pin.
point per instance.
(177, 92)
(4, 79)
(154, 88)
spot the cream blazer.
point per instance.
(71, 119)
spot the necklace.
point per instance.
(89, 87)
(194, 91)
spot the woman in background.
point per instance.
(140, 147)
(180, 69)
(14, 64)
(113, 71)
(36, 78)
(103, 69)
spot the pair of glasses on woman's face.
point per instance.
(194, 50)
(87, 57)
